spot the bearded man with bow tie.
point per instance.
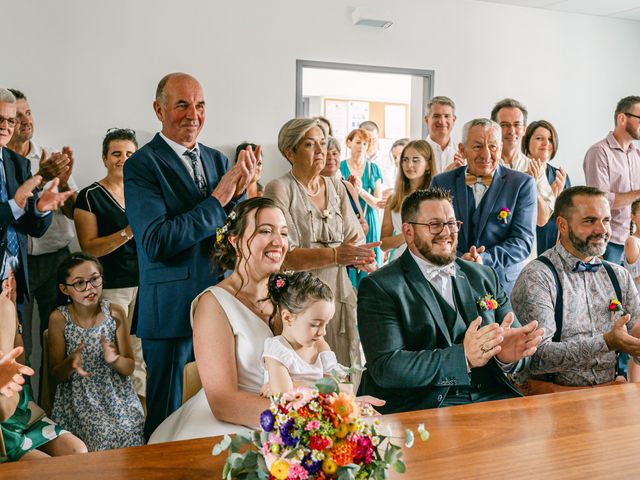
(438, 331)
(497, 205)
(571, 293)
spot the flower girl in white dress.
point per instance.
(300, 355)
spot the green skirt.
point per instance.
(19, 438)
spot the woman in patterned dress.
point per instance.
(91, 360)
(26, 432)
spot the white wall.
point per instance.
(88, 65)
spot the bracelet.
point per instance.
(335, 256)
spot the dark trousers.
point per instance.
(165, 359)
(44, 290)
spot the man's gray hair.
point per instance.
(441, 100)
(485, 123)
(6, 96)
(292, 132)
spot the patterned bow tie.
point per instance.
(433, 271)
(586, 267)
(471, 180)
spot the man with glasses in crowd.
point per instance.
(613, 166)
(438, 331)
(497, 204)
(22, 212)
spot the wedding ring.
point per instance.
(484, 350)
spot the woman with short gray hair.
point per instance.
(324, 233)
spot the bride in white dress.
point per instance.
(230, 324)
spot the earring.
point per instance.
(68, 299)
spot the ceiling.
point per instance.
(626, 9)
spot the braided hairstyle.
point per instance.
(293, 291)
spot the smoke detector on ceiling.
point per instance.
(370, 17)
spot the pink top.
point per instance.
(608, 167)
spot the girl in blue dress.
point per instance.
(366, 177)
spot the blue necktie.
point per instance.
(586, 267)
(200, 181)
(12, 237)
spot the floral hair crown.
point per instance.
(221, 232)
(282, 279)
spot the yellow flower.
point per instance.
(328, 466)
(494, 304)
(280, 469)
(342, 430)
(353, 427)
(503, 214)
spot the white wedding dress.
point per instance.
(194, 419)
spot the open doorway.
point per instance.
(348, 94)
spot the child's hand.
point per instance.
(9, 287)
(265, 391)
(76, 361)
(11, 372)
(111, 354)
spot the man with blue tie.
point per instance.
(497, 205)
(22, 212)
(588, 307)
(177, 193)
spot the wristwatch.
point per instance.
(123, 234)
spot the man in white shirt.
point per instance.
(47, 252)
(440, 119)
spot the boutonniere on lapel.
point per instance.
(487, 303)
(504, 214)
(616, 307)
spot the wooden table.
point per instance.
(583, 434)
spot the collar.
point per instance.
(35, 152)
(613, 143)
(436, 145)
(430, 271)
(176, 147)
(568, 260)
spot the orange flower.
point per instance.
(343, 453)
(344, 405)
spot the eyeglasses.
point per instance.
(632, 115)
(126, 131)
(436, 228)
(82, 285)
(11, 121)
(413, 161)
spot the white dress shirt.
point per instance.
(443, 157)
(438, 277)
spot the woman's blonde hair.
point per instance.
(402, 182)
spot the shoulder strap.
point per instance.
(614, 280)
(558, 306)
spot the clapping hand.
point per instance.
(11, 372)
(348, 253)
(59, 164)
(535, 168)
(473, 255)
(237, 179)
(458, 161)
(9, 287)
(109, 350)
(558, 184)
(481, 344)
(518, 342)
(51, 200)
(64, 176)
(76, 361)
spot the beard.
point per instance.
(439, 260)
(584, 247)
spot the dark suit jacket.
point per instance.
(174, 228)
(508, 244)
(411, 358)
(17, 170)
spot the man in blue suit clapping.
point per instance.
(177, 192)
(497, 205)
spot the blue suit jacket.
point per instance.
(17, 170)
(174, 228)
(412, 360)
(508, 244)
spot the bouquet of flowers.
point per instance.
(314, 433)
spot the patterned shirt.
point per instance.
(581, 357)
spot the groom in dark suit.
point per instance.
(436, 330)
(177, 193)
(497, 205)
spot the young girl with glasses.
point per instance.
(91, 361)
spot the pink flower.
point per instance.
(280, 283)
(298, 397)
(313, 425)
(298, 472)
